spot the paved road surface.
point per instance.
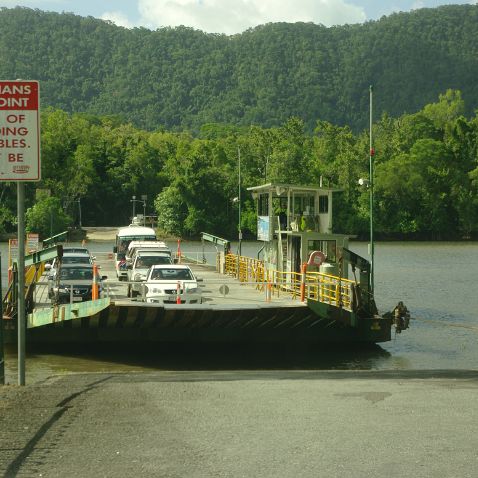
(242, 424)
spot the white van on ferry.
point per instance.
(124, 236)
(135, 246)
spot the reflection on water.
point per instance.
(435, 280)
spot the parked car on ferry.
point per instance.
(124, 236)
(66, 258)
(135, 246)
(72, 258)
(75, 282)
(165, 282)
(75, 249)
(138, 270)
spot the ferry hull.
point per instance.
(188, 323)
(375, 329)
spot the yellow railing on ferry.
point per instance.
(318, 286)
(329, 289)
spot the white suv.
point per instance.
(172, 284)
(136, 246)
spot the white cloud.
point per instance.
(117, 18)
(417, 5)
(235, 16)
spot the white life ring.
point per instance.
(316, 258)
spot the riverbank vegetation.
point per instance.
(426, 173)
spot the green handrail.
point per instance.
(56, 238)
(216, 240)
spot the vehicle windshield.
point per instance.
(123, 242)
(171, 274)
(75, 260)
(77, 274)
(148, 261)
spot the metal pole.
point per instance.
(21, 282)
(144, 198)
(79, 208)
(239, 196)
(2, 351)
(372, 152)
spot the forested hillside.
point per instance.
(180, 78)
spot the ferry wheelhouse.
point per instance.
(302, 254)
(294, 222)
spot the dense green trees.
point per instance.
(168, 113)
(47, 217)
(426, 173)
(180, 78)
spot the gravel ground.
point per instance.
(242, 424)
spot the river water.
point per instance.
(436, 281)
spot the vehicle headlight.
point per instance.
(63, 289)
(157, 291)
(192, 290)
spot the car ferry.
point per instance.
(303, 256)
(307, 287)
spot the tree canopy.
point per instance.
(181, 78)
(426, 173)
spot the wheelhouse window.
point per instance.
(323, 204)
(263, 205)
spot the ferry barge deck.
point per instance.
(300, 291)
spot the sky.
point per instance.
(229, 16)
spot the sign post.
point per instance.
(20, 162)
(2, 355)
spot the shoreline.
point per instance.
(108, 234)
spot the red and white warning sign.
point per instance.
(19, 131)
